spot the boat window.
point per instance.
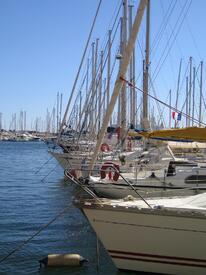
(195, 179)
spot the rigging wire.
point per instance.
(157, 103)
(90, 100)
(161, 114)
(192, 37)
(184, 76)
(96, 76)
(170, 59)
(172, 39)
(157, 41)
(163, 26)
(113, 27)
(162, 102)
(80, 66)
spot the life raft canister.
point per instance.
(110, 168)
(105, 147)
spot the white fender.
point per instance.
(63, 260)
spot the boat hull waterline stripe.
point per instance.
(150, 226)
(157, 258)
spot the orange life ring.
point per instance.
(105, 147)
(112, 169)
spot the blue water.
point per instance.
(32, 193)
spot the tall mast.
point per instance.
(190, 90)
(91, 120)
(132, 92)
(193, 96)
(108, 66)
(123, 90)
(178, 87)
(170, 109)
(78, 73)
(80, 110)
(187, 101)
(57, 125)
(121, 52)
(200, 107)
(119, 82)
(60, 111)
(95, 85)
(87, 93)
(100, 109)
(24, 120)
(146, 70)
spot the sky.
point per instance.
(42, 42)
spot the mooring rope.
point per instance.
(35, 234)
(37, 171)
(51, 171)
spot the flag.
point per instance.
(176, 116)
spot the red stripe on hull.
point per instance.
(157, 258)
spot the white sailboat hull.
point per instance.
(187, 180)
(160, 241)
(67, 160)
(113, 191)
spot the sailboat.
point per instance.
(158, 235)
(161, 236)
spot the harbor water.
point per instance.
(33, 192)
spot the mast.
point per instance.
(121, 52)
(178, 87)
(87, 90)
(134, 94)
(146, 70)
(109, 66)
(170, 109)
(123, 90)
(95, 86)
(190, 90)
(80, 109)
(131, 72)
(91, 120)
(24, 120)
(60, 111)
(57, 125)
(79, 69)
(119, 82)
(100, 92)
(104, 97)
(200, 107)
(193, 96)
(187, 101)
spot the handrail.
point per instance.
(78, 183)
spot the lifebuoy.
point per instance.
(110, 168)
(105, 147)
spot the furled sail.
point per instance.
(188, 134)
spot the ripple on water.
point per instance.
(28, 200)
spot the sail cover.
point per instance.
(188, 134)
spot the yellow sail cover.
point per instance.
(188, 134)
